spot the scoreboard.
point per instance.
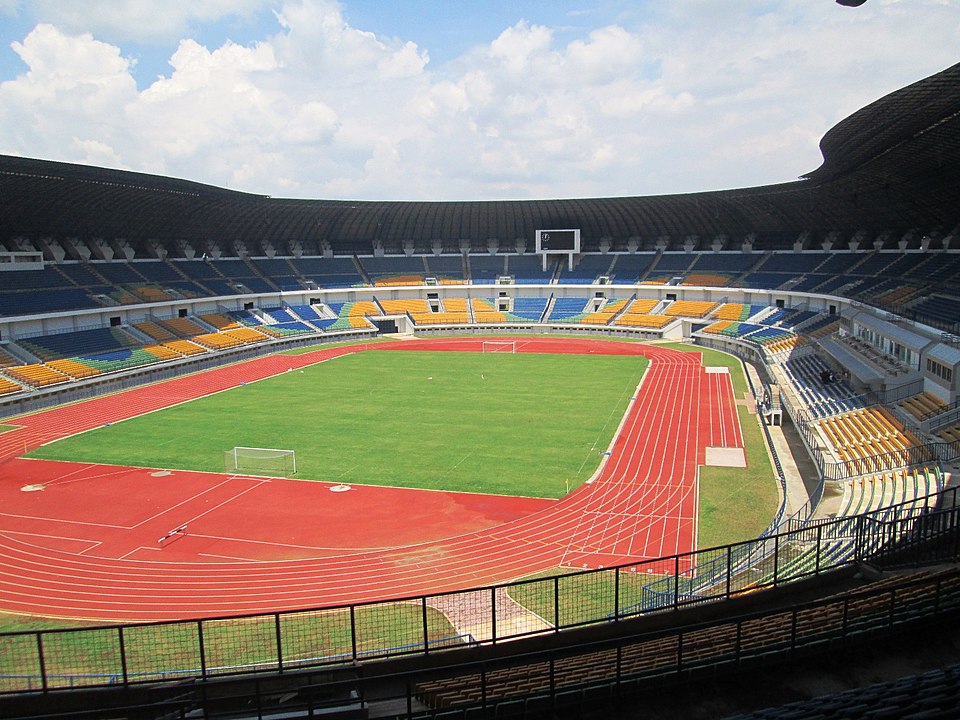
(558, 241)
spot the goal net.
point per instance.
(501, 346)
(270, 462)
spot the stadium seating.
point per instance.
(528, 269)
(638, 315)
(182, 327)
(527, 309)
(690, 308)
(50, 347)
(184, 347)
(673, 264)
(447, 269)
(487, 269)
(805, 373)
(922, 404)
(650, 322)
(586, 271)
(306, 312)
(484, 311)
(706, 280)
(456, 305)
(219, 321)
(774, 632)
(868, 439)
(37, 375)
(398, 270)
(631, 268)
(567, 309)
(724, 263)
(400, 307)
(9, 386)
(736, 311)
(611, 308)
(922, 696)
(28, 302)
(6, 359)
(280, 272)
(155, 331)
(334, 272)
(72, 368)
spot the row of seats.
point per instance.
(870, 439)
(773, 340)
(870, 493)
(82, 354)
(805, 373)
(905, 280)
(102, 350)
(615, 312)
(773, 633)
(922, 404)
(738, 311)
(950, 433)
(926, 696)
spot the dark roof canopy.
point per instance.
(891, 168)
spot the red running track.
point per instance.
(642, 504)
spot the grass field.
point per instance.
(511, 424)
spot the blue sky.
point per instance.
(432, 99)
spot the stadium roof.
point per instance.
(890, 169)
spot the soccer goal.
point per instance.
(270, 462)
(500, 346)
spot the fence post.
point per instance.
(676, 582)
(203, 652)
(556, 603)
(952, 522)
(776, 559)
(616, 594)
(729, 568)
(793, 629)
(123, 654)
(43, 662)
(858, 539)
(483, 687)
(353, 632)
(816, 568)
(276, 621)
(493, 615)
(426, 631)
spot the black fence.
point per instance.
(343, 636)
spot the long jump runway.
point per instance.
(84, 542)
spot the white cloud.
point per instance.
(694, 95)
(149, 21)
(517, 47)
(70, 100)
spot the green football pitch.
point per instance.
(512, 424)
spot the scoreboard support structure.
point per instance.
(565, 241)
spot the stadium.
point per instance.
(808, 333)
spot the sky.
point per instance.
(455, 99)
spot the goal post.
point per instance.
(270, 462)
(501, 346)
